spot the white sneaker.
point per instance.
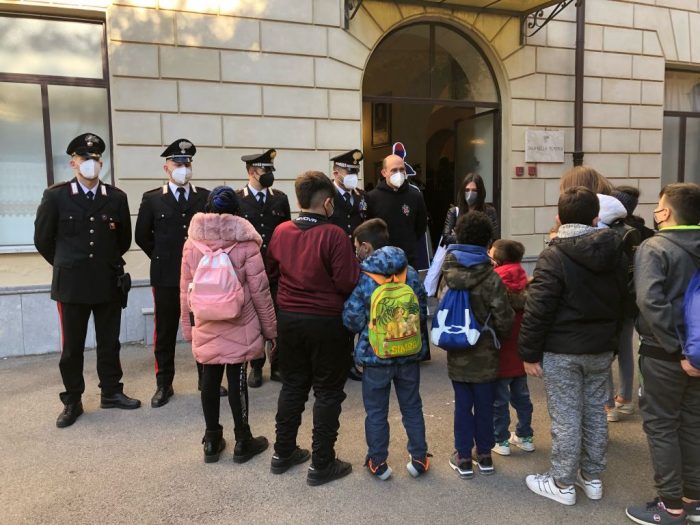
(543, 484)
(624, 408)
(593, 488)
(524, 443)
(502, 448)
(613, 415)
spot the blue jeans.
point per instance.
(625, 363)
(512, 391)
(376, 388)
(473, 418)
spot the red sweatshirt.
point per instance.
(514, 277)
(315, 263)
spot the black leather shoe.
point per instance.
(119, 400)
(162, 396)
(275, 375)
(255, 378)
(280, 465)
(222, 391)
(70, 413)
(335, 470)
(355, 373)
(214, 443)
(245, 450)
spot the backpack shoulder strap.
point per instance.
(385, 279)
(201, 246)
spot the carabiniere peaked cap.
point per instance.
(261, 160)
(350, 160)
(181, 150)
(86, 145)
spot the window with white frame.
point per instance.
(53, 87)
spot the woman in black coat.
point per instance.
(471, 196)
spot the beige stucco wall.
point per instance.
(237, 76)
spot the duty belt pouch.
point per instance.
(124, 285)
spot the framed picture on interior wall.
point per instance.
(381, 124)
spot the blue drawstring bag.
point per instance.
(691, 315)
(454, 325)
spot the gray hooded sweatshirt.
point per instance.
(664, 265)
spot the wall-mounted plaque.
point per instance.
(544, 145)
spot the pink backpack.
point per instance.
(215, 293)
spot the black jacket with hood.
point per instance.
(575, 299)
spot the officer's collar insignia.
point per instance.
(270, 190)
(193, 188)
(103, 189)
(184, 146)
(165, 189)
(74, 188)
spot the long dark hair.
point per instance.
(480, 193)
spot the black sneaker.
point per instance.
(692, 511)
(245, 450)
(335, 470)
(280, 465)
(484, 463)
(462, 466)
(654, 513)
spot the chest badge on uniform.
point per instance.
(406, 210)
(363, 205)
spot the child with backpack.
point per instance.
(227, 313)
(568, 336)
(667, 284)
(511, 387)
(473, 368)
(386, 309)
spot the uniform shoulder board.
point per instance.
(154, 190)
(58, 185)
(279, 193)
(243, 191)
(112, 188)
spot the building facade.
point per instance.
(460, 86)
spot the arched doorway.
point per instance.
(429, 86)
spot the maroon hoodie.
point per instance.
(316, 265)
(514, 277)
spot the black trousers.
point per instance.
(670, 408)
(312, 352)
(74, 324)
(166, 307)
(237, 397)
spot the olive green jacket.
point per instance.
(488, 295)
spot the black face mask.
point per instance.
(267, 179)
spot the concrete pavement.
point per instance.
(145, 466)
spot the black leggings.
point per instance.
(237, 397)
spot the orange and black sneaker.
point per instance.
(379, 470)
(418, 466)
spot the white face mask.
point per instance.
(181, 175)
(397, 179)
(89, 169)
(350, 181)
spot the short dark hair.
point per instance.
(312, 188)
(684, 199)
(578, 205)
(507, 251)
(374, 232)
(222, 199)
(474, 227)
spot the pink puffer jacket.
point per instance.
(236, 340)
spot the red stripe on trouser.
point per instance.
(60, 321)
(155, 332)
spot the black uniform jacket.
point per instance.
(349, 217)
(84, 241)
(161, 230)
(264, 218)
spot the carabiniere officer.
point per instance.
(349, 211)
(83, 229)
(265, 209)
(161, 231)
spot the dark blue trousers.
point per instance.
(473, 418)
